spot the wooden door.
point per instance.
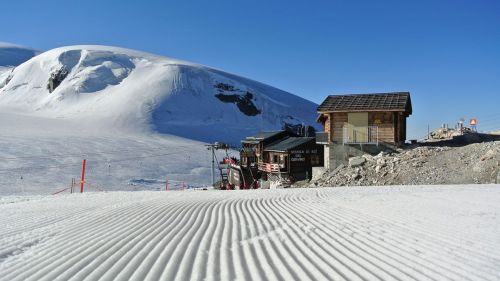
(357, 127)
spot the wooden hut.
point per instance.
(278, 155)
(253, 146)
(292, 158)
(364, 120)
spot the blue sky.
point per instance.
(446, 53)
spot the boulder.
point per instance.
(356, 161)
(381, 162)
(355, 176)
(368, 157)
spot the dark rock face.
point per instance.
(56, 78)
(244, 103)
(244, 100)
(225, 87)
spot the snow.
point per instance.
(13, 55)
(138, 118)
(350, 233)
(133, 90)
(42, 155)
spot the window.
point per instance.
(314, 160)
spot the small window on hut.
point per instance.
(275, 158)
(314, 159)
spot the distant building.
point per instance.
(291, 158)
(365, 122)
(253, 146)
(278, 155)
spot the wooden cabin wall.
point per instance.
(328, 126)
(338, 121)
(385, 123)
(392, 126)
(271, 155)
(383, 120)
(402, 128)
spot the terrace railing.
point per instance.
(271, 167)
(360, 135)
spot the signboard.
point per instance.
(473, 124)
(297, 159)
(234, 176)
(307, 151)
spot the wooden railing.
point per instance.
(360, 135)
(270, 167)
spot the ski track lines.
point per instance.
(309, 234)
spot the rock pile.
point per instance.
(474, 163)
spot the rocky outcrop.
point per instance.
(242, 99)
(56, 78)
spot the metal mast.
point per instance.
(212, 148)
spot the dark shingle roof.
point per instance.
(399, 101)
(287, 144)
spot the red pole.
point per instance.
(166, 185)
(183, 185)
(83, 175)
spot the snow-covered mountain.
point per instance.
(12, 55)
(118, 88)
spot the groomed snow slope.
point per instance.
(122, 88)
(376, 233)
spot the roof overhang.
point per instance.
(374, 110)
(321, 118)
(370, 102)
(273, 150)
(250, 141)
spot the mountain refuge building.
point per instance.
(362, 123)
